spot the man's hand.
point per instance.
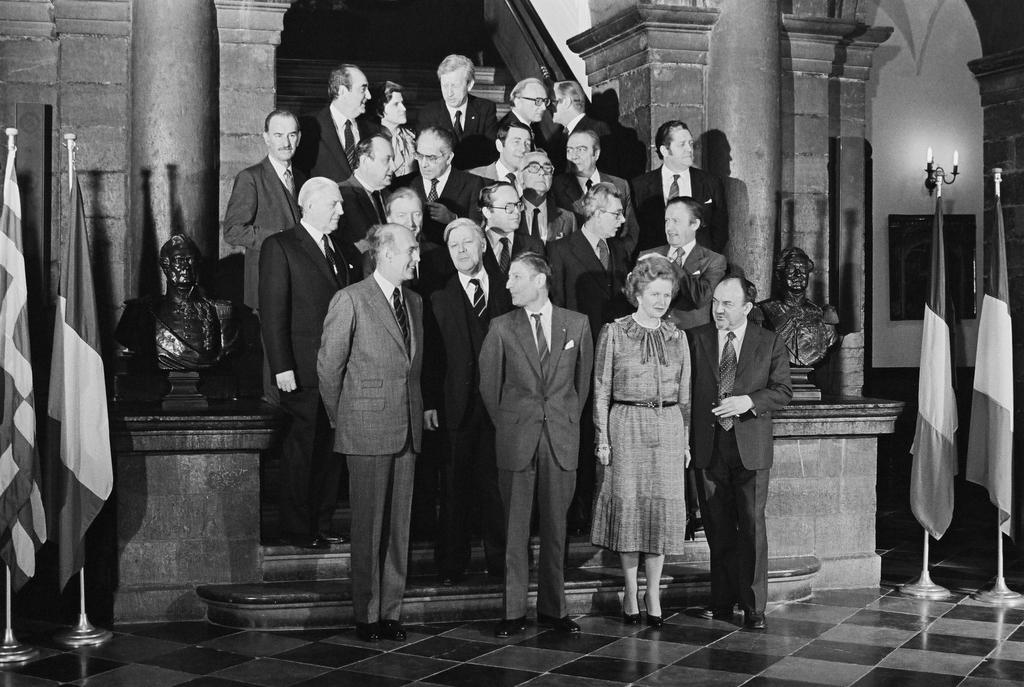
(732, 406)
(430, 420)
(686, 457)
(286, 380)
(440, 213)
(604, 455)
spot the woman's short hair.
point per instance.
(650, 267)
(382, 95)
(597, 198)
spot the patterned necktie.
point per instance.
(479, 303)
(542, 341)
(289, 181)
(535, 226)
(432, 196)
(403, 321)
(457, 129)
(727, 375)
(332, 257)
(378, 205)
(350, 144)
(673, 189)
(505, 259)
(680, 257)
(602, 253)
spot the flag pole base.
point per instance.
(13, 651)
(82, 634)
(999, 595)
(924, 588)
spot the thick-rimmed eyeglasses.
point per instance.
(510, 208)
(619, 214)
(429, 159)
(538, 168)
(539, 102)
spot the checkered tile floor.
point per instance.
(851, 637)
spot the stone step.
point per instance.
(305, 604)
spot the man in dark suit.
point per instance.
(502, 209)
(678, 177)
(535, 368)
(529, 102)
(458, 319)
(514, 141)
(583, 150)
(740, 377)
(370, 361)
(264, 198)
(542, 218)
(363, 192)
(473, 121)
(300, 271)
(570, 105)
(700, 269)
(446, 192)
(328, 147)
(588, 271)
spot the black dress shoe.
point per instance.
(301, 542)
(393, 630)
(331, 538)
(564, 624)
(754, 620)
(715, 613)
(630, 618)
(655, 620)
(368, 632)
(509, 627)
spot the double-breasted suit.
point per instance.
(699, 275)
(735, 463)
(649, 199)
(370, 383)
(536, 411)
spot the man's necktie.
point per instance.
(479, 303)
(289, 181)
(332, 257)
(505, 259)
(673, 189)
(680, 257)
(378, 205)
(727, 375)
(350, 144)
(535, 225)
(432, 196)
(590, 185)
(542, 342)
(511, 176)
(602, 253)
(457, 129)
(403, 321)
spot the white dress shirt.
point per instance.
(545, 322)
(685, 189)
(686, 248)
(737, 343)
(470, 290)
(316, 234)
(280, 168)
(441, 181)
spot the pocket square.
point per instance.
(568, 344)
(707, 202)
(697, 273)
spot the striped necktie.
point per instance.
(479, 302)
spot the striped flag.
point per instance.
(22, 523)
(934, 449)
(990, 447)
(79, 471)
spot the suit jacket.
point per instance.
(568, 195)
(476, 147)
(369, 380)
(454, 336)
(360, 214)
(459, 195)
(560, 222)
(296, 286)
(579, 282)
(762, 372)
(702, 270)
(521, 399)
(321, 153)
(559, 139)
(259, 206)
(649, 199)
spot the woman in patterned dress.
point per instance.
(642, 418)
(391, 110)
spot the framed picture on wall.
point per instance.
(910, 246)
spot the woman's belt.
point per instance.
(646, 404)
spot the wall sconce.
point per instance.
(937, 175)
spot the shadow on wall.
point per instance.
(149, 283)
(622, 151)
(717, 156)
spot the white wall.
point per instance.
(563, 20)
(921, 94)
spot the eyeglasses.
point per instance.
(578, 150)
(538, 168)
(430, 159)
(618, 213)
(538, 102)
(510, 208)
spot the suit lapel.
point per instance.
(413, 315)
(585, 254)
(523, 330)
(558, 337)
(329, 137)
(313, 251)
(751, 342)
(710, 343)
(381, 307)
(274, 184)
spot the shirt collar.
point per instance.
(279, 167)
(667, 174)
(740, 332)
(441, 181)
(545, 310)
(481, 274)
(387, 287)
(574, 121)
(687, 248)
(317, 235)
(461, 108)
(340, 119)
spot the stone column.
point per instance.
(174, 133)
(743, 129)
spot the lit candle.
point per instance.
(956, 158)
(928, 158)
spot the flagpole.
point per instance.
(84, 633)
(12, 651)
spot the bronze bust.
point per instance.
(182, 330)
(808, 329)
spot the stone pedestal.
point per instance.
(821, 498)
(187, 495)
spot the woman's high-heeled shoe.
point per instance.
(630, 618)
(652, 620)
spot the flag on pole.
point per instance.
(990, 447)
(22, 522)
(80, 474)
(934, 448)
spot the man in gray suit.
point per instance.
(542, 218)
(535, 366)
(371, 356)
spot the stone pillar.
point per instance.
(174, 133)
(743, 129)
(652, 58)
(249, 35)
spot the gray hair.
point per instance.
(454, 63)
(463, 223)
(314, 187)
